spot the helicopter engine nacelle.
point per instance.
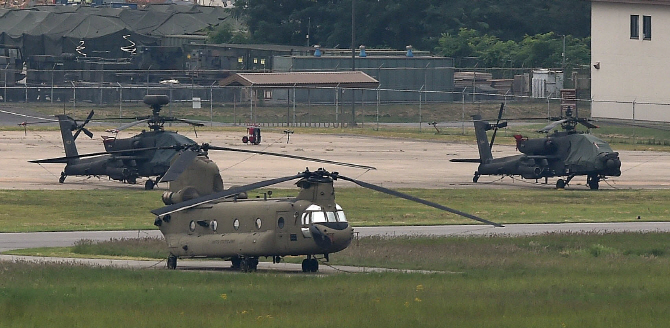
(543, 146)
(185, 194)
(530, 172)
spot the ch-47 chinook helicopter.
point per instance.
(561, 154)
(203, 220)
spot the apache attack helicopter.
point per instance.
(147, 154)
(564, 153)
(202, 220)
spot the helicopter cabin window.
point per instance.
(258, 223)
(191, 226)
(214, 225)
(280, 223)
(236, 224)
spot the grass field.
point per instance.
(611, 280)
(555, 280)
(41, 210)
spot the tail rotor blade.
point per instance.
(500, 113)
(418, 200)
(82, 128)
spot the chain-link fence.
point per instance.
(473, 92)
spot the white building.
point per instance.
(630, 57)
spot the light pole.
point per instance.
(563, 53)
(353, 60)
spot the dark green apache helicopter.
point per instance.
(564, 154)
(147, 154)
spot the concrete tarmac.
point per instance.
(400, 163)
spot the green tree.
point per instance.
(227, 34)
(541, 50)
(397, 23)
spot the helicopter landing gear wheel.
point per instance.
(560, 184)
(172, 262)
(592, 181)
(149, 185)
(310, 265)
(249, 264)
(476, 177)
(236, 262)
(62, 177)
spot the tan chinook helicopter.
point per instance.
(202, 219)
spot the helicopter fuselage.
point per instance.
(252, 228)
(555, 156)
(561, 154)
(145, 163)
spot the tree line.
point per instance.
(499, 33)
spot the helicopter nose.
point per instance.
(333, 237)
(613, 163)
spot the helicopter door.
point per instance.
(283, 220)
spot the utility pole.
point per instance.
(353, 60)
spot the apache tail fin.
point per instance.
(481, 127)
(67, 125)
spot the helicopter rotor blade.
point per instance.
(552, 125)
(585, 122)
(174, 119)
(65, 159)
(179, 165)
(207, 146)
(127, 125)
(416, 199)
(229, 192)
(500, 113)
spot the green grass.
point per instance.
(556, 280)
(42, 210)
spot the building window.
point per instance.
(646, 27)
(634, 26)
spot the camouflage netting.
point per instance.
(101, 32)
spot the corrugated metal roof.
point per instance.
(345, 79)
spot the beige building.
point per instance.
(630, 57)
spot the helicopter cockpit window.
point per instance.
(315, 214)
(331, 217)
(318, 217)
(340, 214)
